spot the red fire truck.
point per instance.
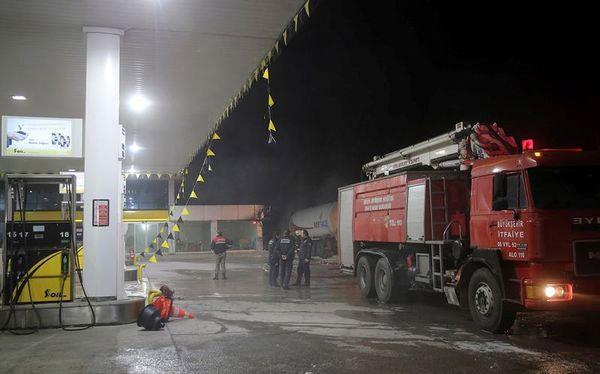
(466, 215)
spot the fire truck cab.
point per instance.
(513, 232)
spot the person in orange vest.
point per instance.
(164, 303)
(219, 246)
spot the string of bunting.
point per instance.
(156, 246)
(270, 102)
(159, 243)
(282, 41)
(150, 175)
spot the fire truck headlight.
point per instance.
(550, 291)
(556, 292)
(559, 291)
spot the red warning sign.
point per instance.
(101, 208)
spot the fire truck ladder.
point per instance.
(437, 260)
(439, 152)
(437, 212)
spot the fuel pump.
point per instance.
(40, 239)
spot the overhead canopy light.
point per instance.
(19, 97)
(139, 103)
(134, 148)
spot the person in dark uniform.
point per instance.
(286, 250)
(304, 255)
(274, 257)
(219, 246)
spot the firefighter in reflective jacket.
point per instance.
(219, 247)
(274, 258)
(286, 250)
(304, 255)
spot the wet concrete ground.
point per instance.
(243, 326)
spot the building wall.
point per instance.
(194, 236)
(239, 223)
(242, 233)
(221, 212)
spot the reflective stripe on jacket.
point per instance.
(218, 244)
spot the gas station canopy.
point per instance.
(182, 59)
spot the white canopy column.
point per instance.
(103, 237)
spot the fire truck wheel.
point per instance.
(485, 303)
(364, 273)
(385, 287)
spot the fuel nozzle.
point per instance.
(64, 262)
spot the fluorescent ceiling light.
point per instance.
(19, 97)
(134, 147)
(139, 103)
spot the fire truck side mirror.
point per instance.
(499, 202)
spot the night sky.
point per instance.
(366, 78)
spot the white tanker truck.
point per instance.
(321, 222)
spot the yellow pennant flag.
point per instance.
(154, 241)
(175, 229)
(209, 167)
(266, 74)
(185, 212)
(277, 46)
(271, 101)
(165, 244)
(147, 250)
(153, 259)
(162, 231)
(216, 136)
(306, 8)
(296, 23)
(285, 37)
(271, 126)
(210, 153)
(193, 195)
(178, 197)
(200, 178)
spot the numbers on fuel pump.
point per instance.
(26, 234)
(17, 234)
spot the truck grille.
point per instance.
(586, 256)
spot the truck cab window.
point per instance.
(565, 187)
(509, 192)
